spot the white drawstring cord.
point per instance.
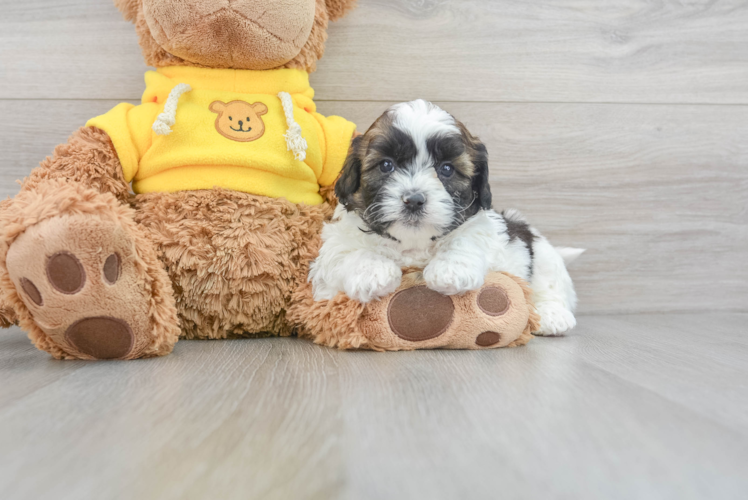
(294, 141)
(166, 120)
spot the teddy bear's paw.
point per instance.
(417, 317)
(555, 319)
(83, 285)
(372, 279)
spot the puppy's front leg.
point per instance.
(345, 265)
(460, 264)
(370, 276)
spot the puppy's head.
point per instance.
(417, 173)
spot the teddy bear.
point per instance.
(196, 213)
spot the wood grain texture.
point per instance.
(602, 413)
(393, 50)
(657, 194)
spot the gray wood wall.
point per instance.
(620, 126)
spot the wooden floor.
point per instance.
(626, 407)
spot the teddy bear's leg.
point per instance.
(234, 258)
(8, 316)
(499, 314)
(82, 277)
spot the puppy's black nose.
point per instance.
(414, 201)
(241, 123)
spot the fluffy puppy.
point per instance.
(414, 192)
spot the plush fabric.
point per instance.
(61, 215)
(306, 59)
(234, 258)
(417, 318)
(237, 34)
(204, 151)
(338, 8)
(87, 158)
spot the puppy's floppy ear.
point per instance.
(129, 8)
(338, 8)
(481, 187)
(350, 179)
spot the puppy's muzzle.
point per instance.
(414, 202)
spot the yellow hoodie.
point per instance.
(251, 131)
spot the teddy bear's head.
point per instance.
(238, 34)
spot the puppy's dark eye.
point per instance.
(230, 118)
(446, 170)
(247, 118)
(387, 166)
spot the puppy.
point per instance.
(414, 192)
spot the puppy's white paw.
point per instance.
(555, 319)
(450, 278)
(373, 280)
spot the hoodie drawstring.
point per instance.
(166, 120)
(294, 141)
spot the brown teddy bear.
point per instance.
(232, 169)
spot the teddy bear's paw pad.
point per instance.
(494, 301)
(65, 273)
(32, 291)
(102, 337)
(419, 313)
(82, 283)
(488, 339)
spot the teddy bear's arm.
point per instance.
(338, 135)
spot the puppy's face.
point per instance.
(416, 174)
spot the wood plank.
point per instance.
(282, 418)
(73, 49)
(228, 416)
(23, 371)
(479, 421)
(464, 50)
(695, 360)
(657, 194)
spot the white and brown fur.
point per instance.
(414, 192)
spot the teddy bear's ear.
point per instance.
(129, 8)
(338, 8)
(217, 106)
(259, 108)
